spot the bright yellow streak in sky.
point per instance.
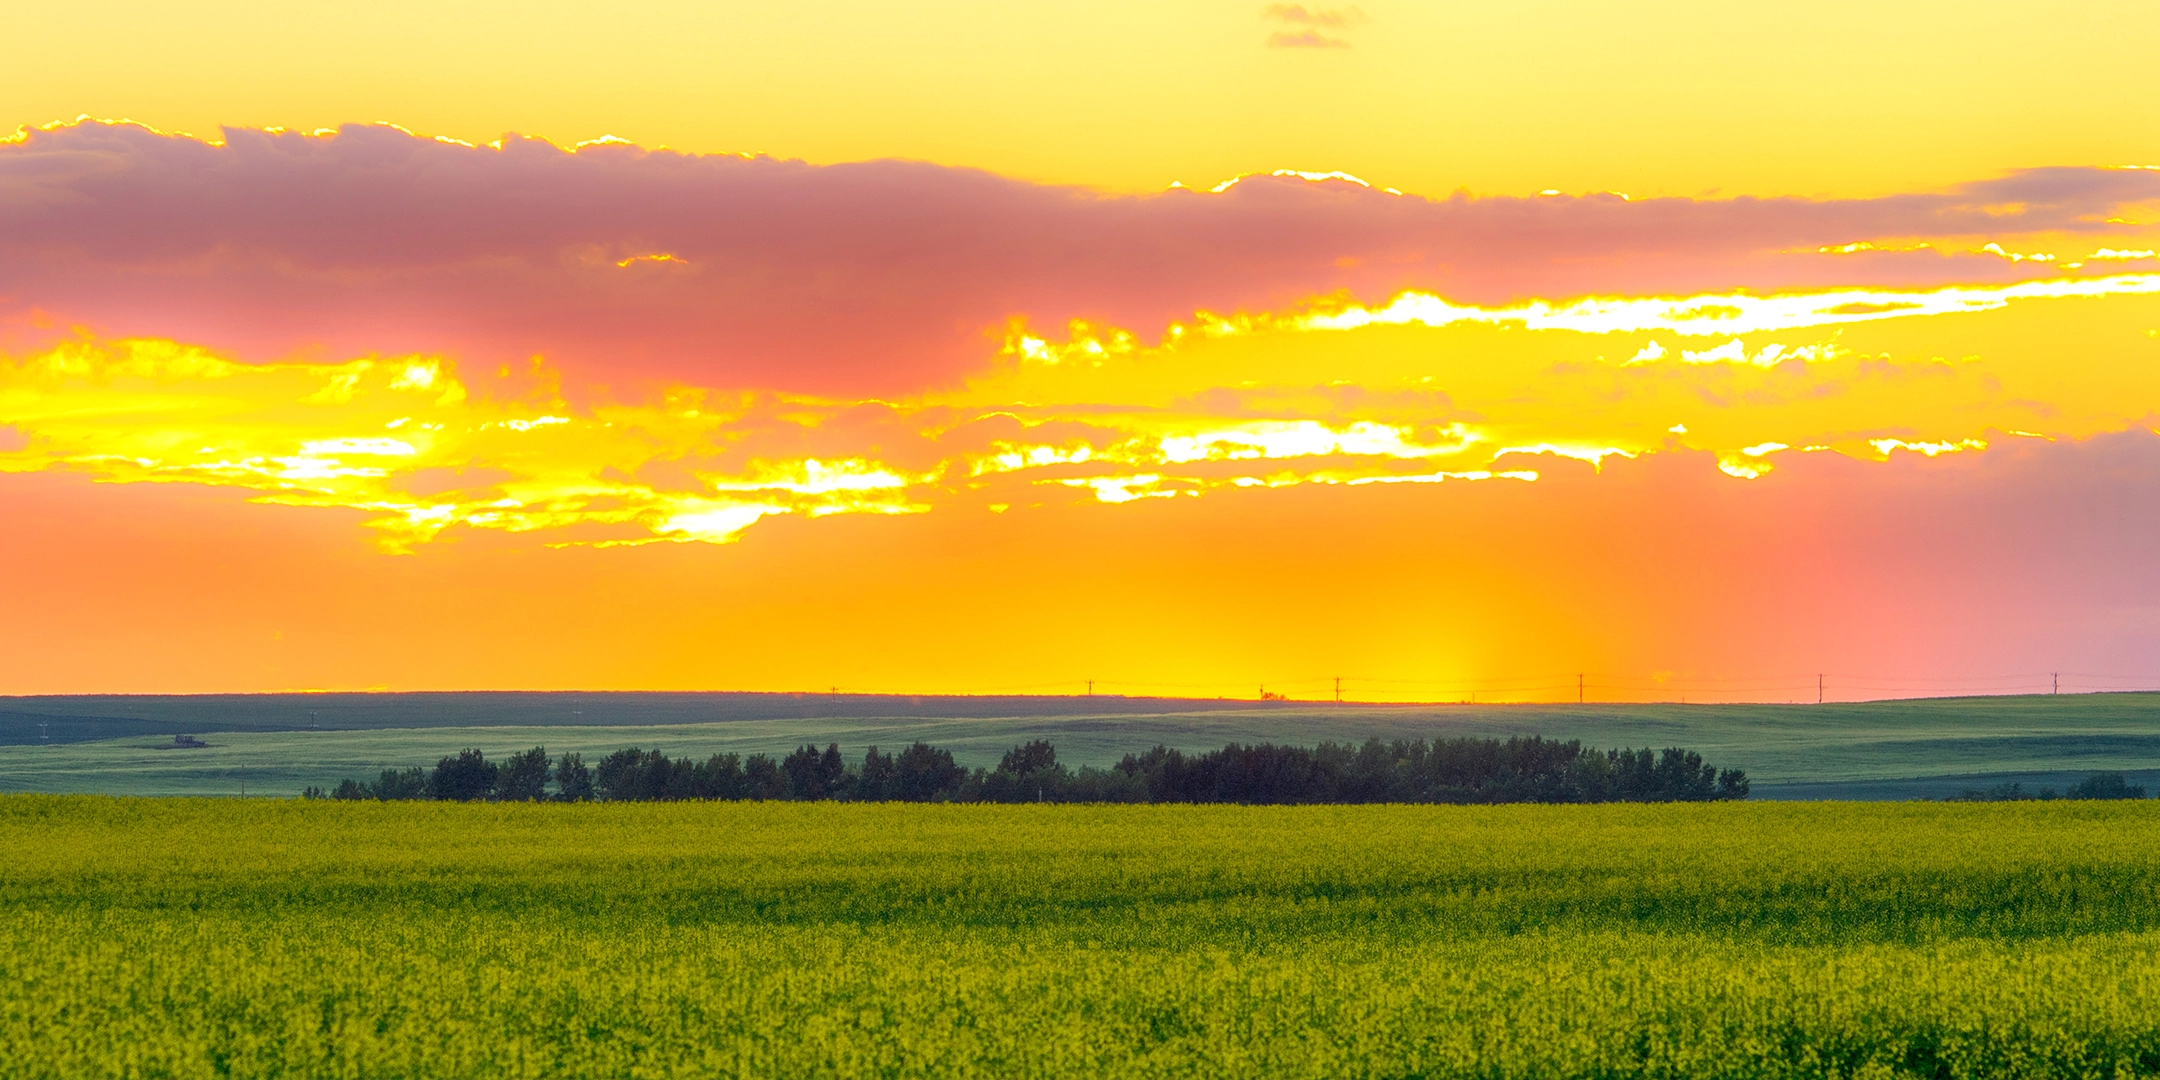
(1467, 395)
(1672, 97)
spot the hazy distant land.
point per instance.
(276, 744)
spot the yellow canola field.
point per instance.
(180, 938)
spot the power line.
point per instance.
(1613, 686)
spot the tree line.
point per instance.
(1464, 770)
(2100, 785)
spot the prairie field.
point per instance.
(278, 744)
(200, 938)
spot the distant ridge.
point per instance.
(88, 717)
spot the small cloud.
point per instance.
(1312, 21)
(1300, 15)
(1304, 39)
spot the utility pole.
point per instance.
(1818, 689)
(2057, 676)
(1338, 689)
(1091, 688)
(1578, 688)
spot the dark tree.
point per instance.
(2104, 785)
(1461, 770)
(724, 779)
(1447, 771)
(805, 773)
(1162, 768)
(923, 772)
(402, 784)
(524, 776)
(879, 780)
(573, 781)
(762, 778)
(1733, 784)
(832, 772)
(1036, 756)
(632, 775)
(815, 774)
(467, 776)
(645, 775)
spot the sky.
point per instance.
(1459, 352)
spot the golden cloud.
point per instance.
(1419, 390)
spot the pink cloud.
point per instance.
(859, 278)
(1304, 39)
(1300, 15)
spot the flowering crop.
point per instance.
(196, 938)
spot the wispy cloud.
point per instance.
(1310, 22)
(1300, 15)
(1304, 39)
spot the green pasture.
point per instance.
(210, 938)
(278, 744)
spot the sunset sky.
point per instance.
(1190, 348)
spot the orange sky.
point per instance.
(1858, 377)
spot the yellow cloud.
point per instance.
(1418, 391)
(1727, 313)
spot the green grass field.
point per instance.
(277, 744)
(201, 938)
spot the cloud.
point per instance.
(1420, 391)
(1731, 313)
(626, 267)
(1300, 15)
(1304, 39)
(1311, 20)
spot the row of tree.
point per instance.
(2100, 785)
(1401, 771)
(1443, 771)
